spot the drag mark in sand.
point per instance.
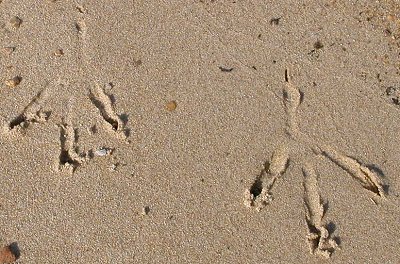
(258, 195)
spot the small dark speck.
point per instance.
(146, 210)
(396, 101)
(387, 32)
(318, 45)
(254, 67)
(137, 63)
(78, 27)
(274, 21)
(93, 129)
(378, 76)
(314, 83)
(274, 61)
(223, 69)
(202, 180)
(259, 36)
(286, 76)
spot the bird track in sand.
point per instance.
(320, 238)
(38, 109)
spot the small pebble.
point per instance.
(391, 18)
(58, 53)
(10, 253)
(16, 22)
(171, 106)
(13, 82)
(7, 50)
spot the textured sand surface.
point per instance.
(202, 131)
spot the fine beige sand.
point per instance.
(202, 131)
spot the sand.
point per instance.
(199, 131)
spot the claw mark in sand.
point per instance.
(319, 238)
(32, 113)
(104, 104)
(368, 179)
(69, 157)
(259, 194)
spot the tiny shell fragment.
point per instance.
(13, 82)
(103, 152)
(16, 22)
(171, 106)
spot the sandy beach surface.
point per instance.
(203, 131)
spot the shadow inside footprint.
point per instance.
(256, 188)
